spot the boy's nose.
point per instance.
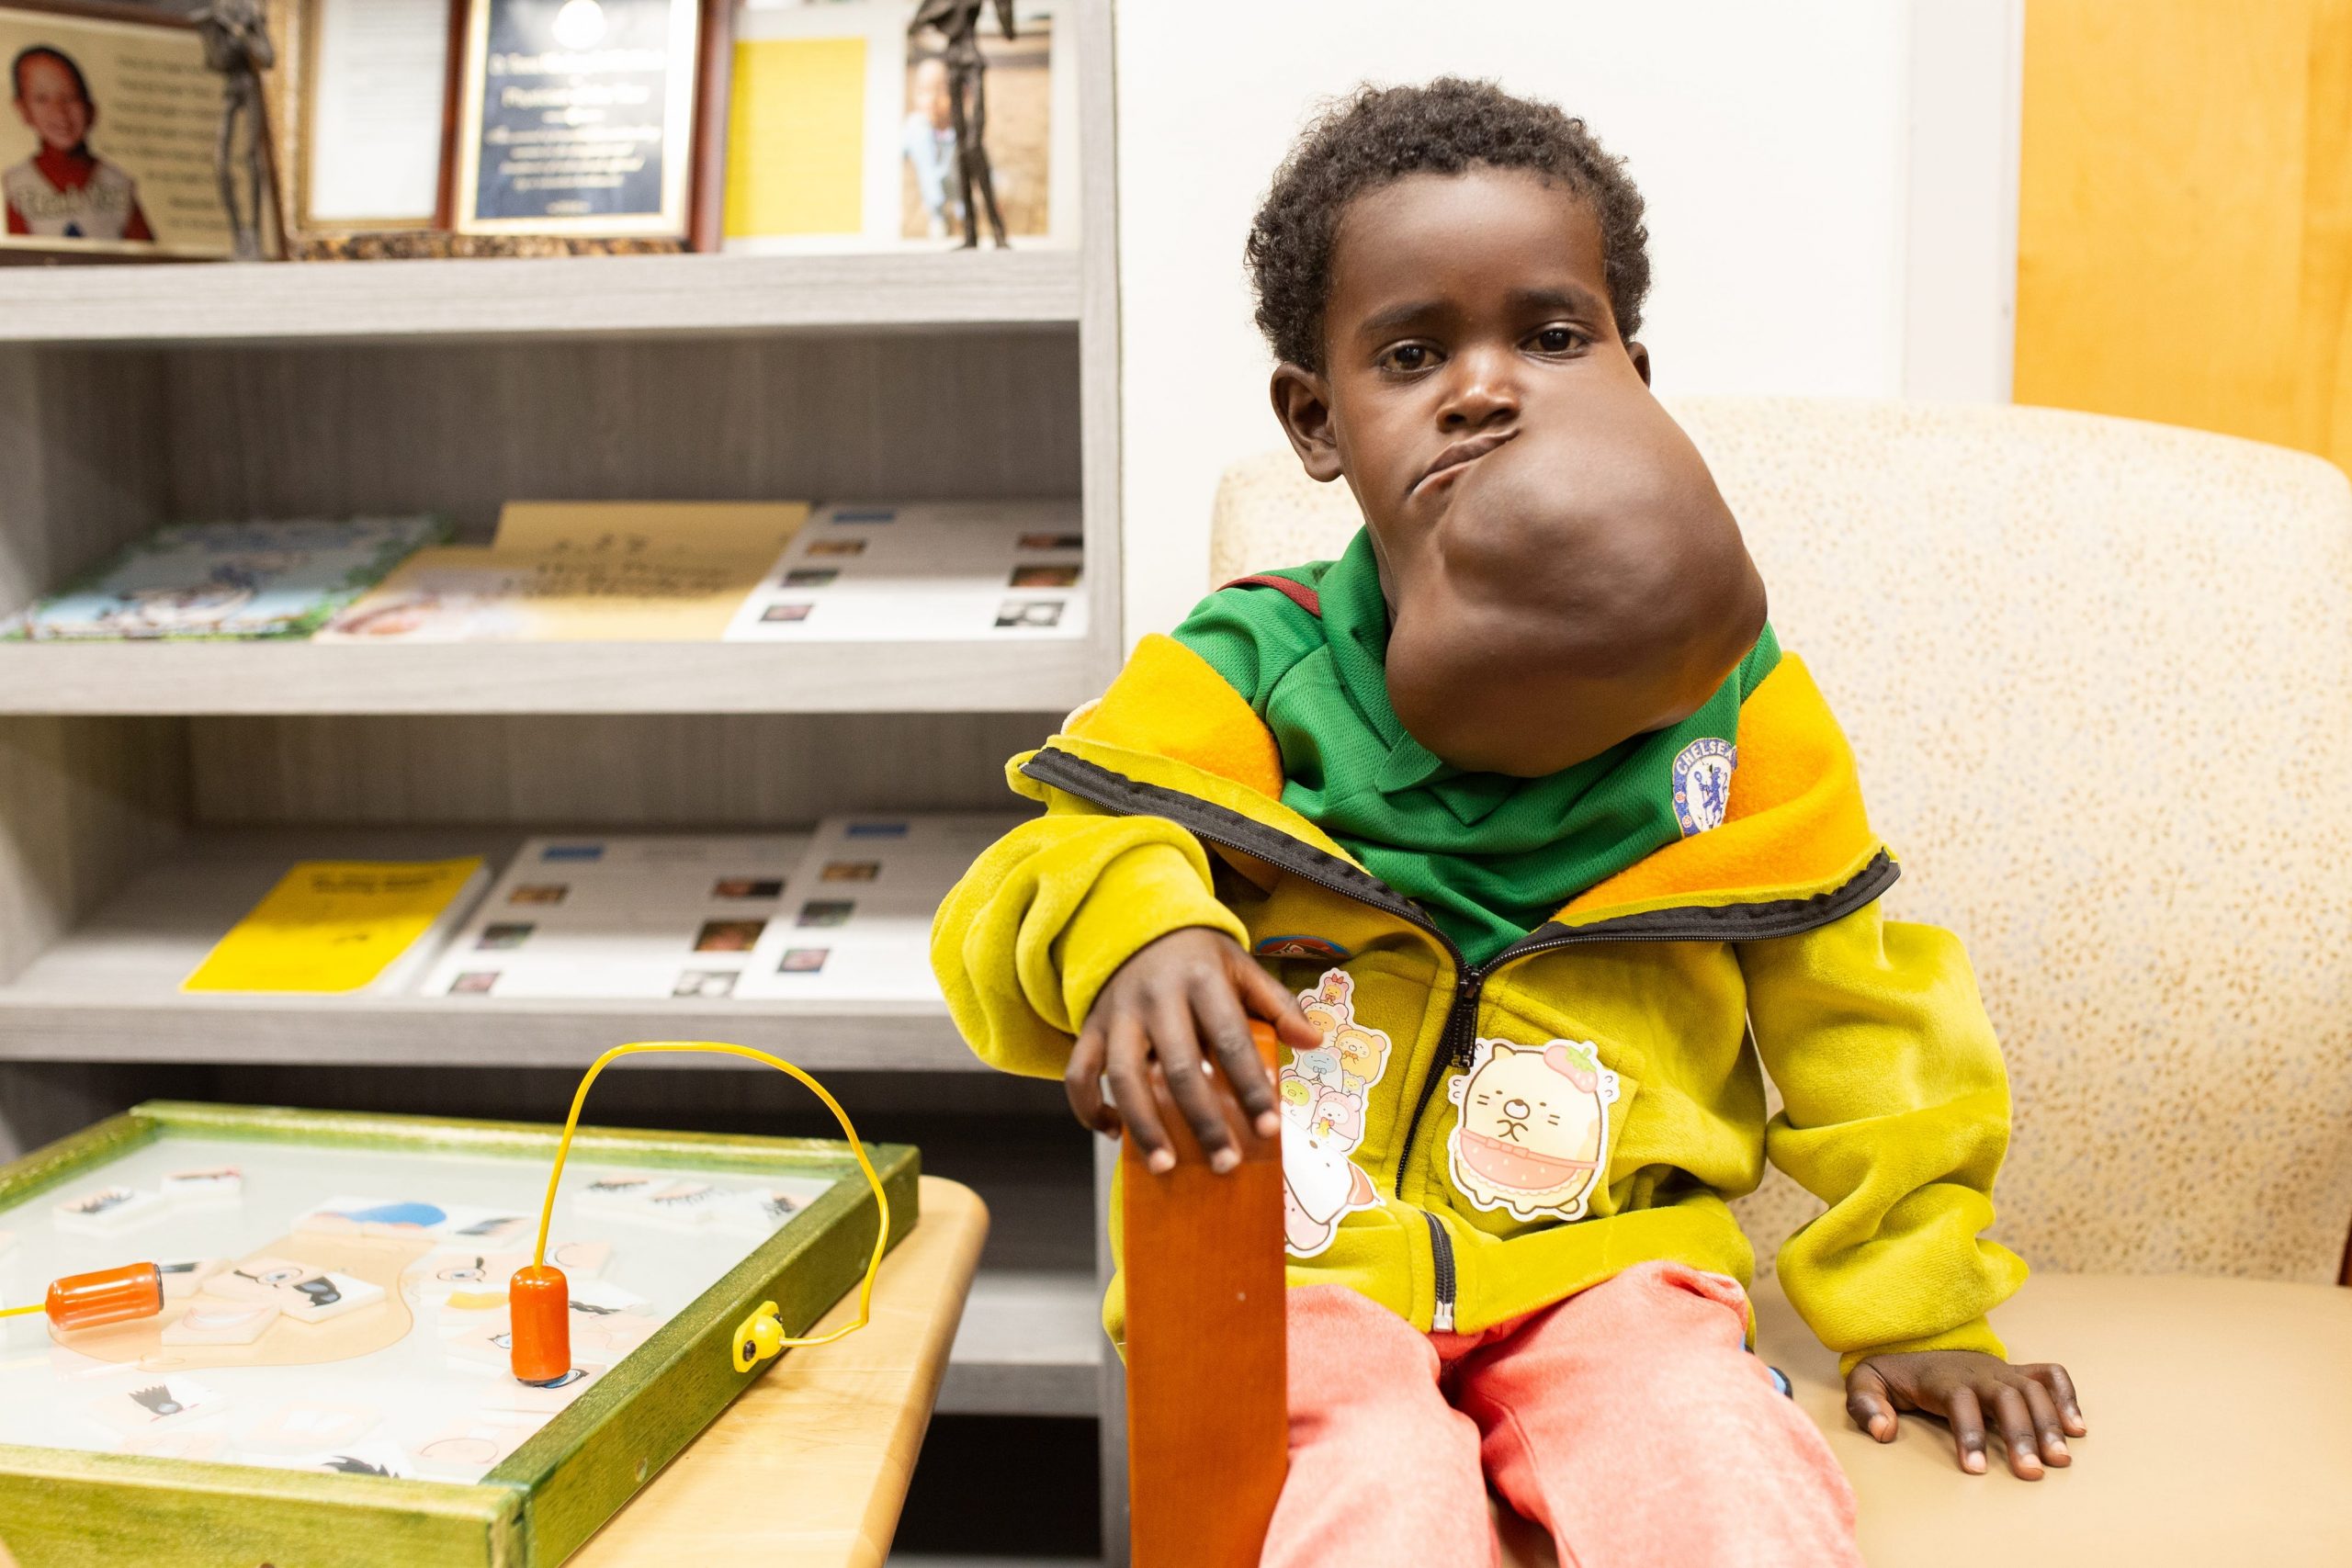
(1482, 394)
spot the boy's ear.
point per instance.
(1640, 358)
(1302, 403)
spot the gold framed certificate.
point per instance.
(578, 117)
(361, 111)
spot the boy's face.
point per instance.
(1560, 570)
(47, 101)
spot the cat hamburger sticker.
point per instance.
(1533, 1134)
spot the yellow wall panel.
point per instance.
(2185, 214)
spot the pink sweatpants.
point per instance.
(1629, 1421)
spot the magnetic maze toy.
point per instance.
(284, 1335)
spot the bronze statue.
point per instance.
(236, 44)
(957, 22)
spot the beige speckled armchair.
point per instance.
(2100, 677)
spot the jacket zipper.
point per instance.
(1458, 1043)
(1442, 1267)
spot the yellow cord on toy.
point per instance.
(881, 1199)
(20, 1312)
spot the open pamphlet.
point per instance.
(857, 926)
(980, 570)
(621, 916)
(605, 571)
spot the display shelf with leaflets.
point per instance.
(152, 792)
(112, 989)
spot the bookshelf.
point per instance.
(205, 678)
(704, 295)
(149, 792)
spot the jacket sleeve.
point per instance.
(1025, 940)
(1896, 1115)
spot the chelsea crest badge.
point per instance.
(1703, 783)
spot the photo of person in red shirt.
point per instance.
(64, 190)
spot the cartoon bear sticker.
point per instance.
(1323, 1094)
(1533, 1133)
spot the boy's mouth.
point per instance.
(1462, 453)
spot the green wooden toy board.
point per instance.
(71, 1497)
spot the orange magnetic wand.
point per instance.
(110, 1295)
(539, 1297)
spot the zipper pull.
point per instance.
(1441, 1320)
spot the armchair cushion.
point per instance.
(2217, 1433)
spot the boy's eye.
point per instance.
(1557, 339)
(1408, 356)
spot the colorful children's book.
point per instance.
(342, 926)
(232, 580)
(982, 571)
(643, 916)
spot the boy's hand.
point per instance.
(1191, 990)
(2033, 1408)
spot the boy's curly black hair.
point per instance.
(1379, 134)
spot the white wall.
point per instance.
(1831, 188)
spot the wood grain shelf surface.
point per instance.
(204, 678)
(109, 989)
(558, 298)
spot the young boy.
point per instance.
(1539, 828)
(64, 190)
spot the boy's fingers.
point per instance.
(1226, 1028)
(1082, 1082)
(1196, 1095)
(2016, 1432)
(1866, 1402)
(1130, 1053)
(2061, 1389)
(2046, 1430)
(1272, 1000)
(1967, 1420)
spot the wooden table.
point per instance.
(809, 1467)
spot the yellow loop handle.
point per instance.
(712, 1047)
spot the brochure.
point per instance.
(230, 581)
(619, 572)
(924, 571)
(857, 926)
(642, 916)
(342, 926)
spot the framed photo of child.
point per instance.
(108, 149)
(845, 130)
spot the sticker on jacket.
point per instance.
(1534, 1128)
(1321, 947)
(1323, 1094)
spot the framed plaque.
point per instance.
(579, 117)
(361, 107)
(108, 150)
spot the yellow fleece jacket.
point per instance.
(1474, 1144)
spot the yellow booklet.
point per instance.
(651, 527)
(582, 571)
(335, 925)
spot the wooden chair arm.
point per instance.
(1207, 1399)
